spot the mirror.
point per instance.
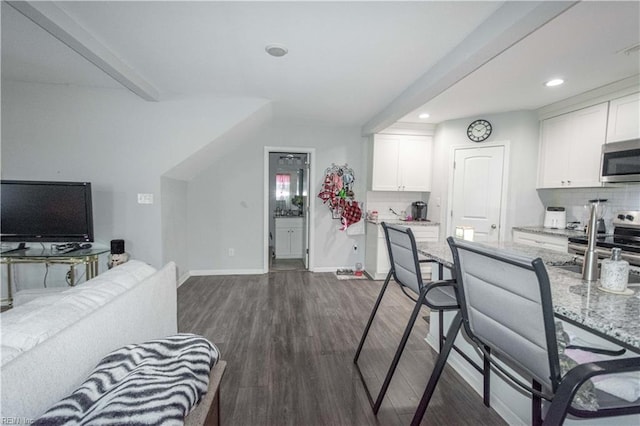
(289, 185)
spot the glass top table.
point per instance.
(48, 255)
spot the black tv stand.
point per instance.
(21, 246)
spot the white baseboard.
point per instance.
(183, 278)
(330, 268)
(474, 379)
(501, 393)
(203, 272)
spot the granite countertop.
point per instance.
(550, 231)
(614, 316)
(404, 222)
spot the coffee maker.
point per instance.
(419, 210)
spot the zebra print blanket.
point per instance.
(156, 382)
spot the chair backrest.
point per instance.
(505, 301)
(403, 256)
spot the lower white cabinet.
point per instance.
(376, 262)
(289, 238)
(534, 239)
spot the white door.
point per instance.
(306, 233)
(477, 190)
(306, 223)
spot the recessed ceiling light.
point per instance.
(276, 50)
(424, 115)
(554, 82)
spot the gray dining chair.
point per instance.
(405, 270)
(505, 304)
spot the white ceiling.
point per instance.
(347, 61)
(584, 46)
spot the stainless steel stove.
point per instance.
(626, 236)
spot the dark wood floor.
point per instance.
(289, 339)
(287, 265)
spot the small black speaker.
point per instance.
(117, 246)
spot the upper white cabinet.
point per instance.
(624, 118)
(401, 163)
(570, 148)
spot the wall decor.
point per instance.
(337, 193)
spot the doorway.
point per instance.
(287, 209)
(478, 191)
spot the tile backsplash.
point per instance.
(400, 202)
(622, 197)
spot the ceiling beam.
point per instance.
(56, 22)
(512, 22)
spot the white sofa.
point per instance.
(51, 344)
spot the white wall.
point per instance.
(521, 129)
(126, 146)
(175, 231)
(122, 144)
(226, 200)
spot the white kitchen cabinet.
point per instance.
(401, 163)
(376, 259)
(376, 262)
(289, 238)
(534, 239)
(570, 148)
(624, 118)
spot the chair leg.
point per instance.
(486, 376)
(396, 358)
(536, 405)
(440, 330)
(373, 314)
(437, 370)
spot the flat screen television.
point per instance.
(32, 211)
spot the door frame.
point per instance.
(309, 230)
(505, 184)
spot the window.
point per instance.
(283, 189)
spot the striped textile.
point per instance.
(157, 382)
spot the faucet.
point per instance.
(590, 265)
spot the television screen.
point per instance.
(33, 211)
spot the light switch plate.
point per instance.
(145, 198)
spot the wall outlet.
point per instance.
(145, 198)
(232, 252)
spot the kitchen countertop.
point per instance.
(615, 317)
(403, 222)
(550, 231)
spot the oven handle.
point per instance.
(604, 253)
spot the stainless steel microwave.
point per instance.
(620, 161)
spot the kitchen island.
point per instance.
(612, 316)
(376, 262)
(592, 315)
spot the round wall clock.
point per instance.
(479, 130)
